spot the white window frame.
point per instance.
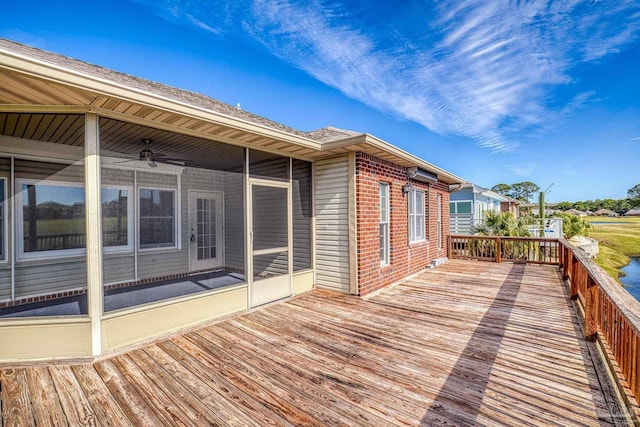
(4, 258)
(62, 253)
(176, 226)
(385, 259)
(415, 216)
(130, 224)
(21, 254)
(439, 219)
(455, 203)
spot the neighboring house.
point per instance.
(605, 212)
(511, 205)
(130, 209)
(468, 207)
(575, 212)
(633, 212)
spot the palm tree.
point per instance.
(503, 224)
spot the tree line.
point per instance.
(524, 191)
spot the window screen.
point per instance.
(157, 218)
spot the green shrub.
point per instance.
(573, 225)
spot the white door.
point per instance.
(270, 241)
(205, 230)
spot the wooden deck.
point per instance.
(467, 343)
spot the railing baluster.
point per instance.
(591, 309)
(635, 375)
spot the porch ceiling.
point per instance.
(20, 93)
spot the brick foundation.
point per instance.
(405, 258)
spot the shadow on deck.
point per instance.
(468, 343)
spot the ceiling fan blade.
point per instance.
(173, 160)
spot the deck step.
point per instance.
(438, 261)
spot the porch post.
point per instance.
(93, 228)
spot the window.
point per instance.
(157, 219)
(2, 219)
(439, 219)
(416, 216)
(116, 219)
(460, 207)
(384, 223)
(51, 218)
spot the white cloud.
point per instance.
(523, 170)
(484, 70)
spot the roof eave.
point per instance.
(45, 70)
(444, 175)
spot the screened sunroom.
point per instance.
(187, 229)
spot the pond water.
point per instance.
(631, 281)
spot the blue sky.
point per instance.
(494, 92)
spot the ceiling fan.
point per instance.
(146, 155)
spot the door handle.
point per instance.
(193, 236)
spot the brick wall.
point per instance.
(404, 258)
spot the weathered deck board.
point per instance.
(468, 343)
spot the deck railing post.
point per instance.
(572, 271)
(450, 246)
(498, 250)
(591, 310)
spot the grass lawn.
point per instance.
(619, 240)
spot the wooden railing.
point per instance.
(611, 314)
(520, 249)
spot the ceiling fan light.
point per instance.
(145, 154)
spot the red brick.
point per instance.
(405, 259)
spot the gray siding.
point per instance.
(5, 272)
(5, 284)
(332, 223)
(40, 279)
(118, 268)
(301, 215)
(53, 171)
